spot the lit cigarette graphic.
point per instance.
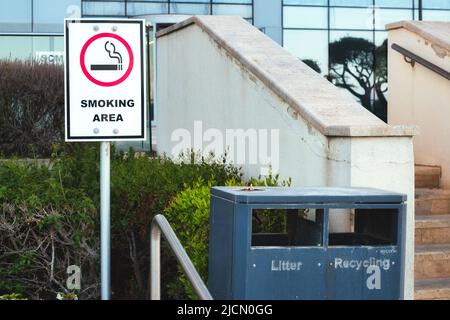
(111, 49)
(108, 67)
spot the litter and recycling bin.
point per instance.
(278, 243)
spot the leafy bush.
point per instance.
(45, 226)
(49, 219)
(31, 107)
(12, 296)
(188, 214)
(55, 199)
(142, 187)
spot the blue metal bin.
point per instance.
(297, 255)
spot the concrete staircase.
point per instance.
(432, 236)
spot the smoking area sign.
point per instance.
(105, 85)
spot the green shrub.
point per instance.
(188, 214)
(66, 296)
(66, 193)
(45, 226)
(142, 187)
(12, 296)
(58, 205)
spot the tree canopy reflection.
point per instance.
(360, 66)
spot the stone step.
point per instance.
(432, 289)
(432, 201)
(432, 261)
(421, 169)
(432, 229)
(427, 176)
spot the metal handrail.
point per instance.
(160, 224)
(413, 58)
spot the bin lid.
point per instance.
(307, 195)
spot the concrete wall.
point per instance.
(200, 81)
(419, 96)
(379, 162)
(212, 89)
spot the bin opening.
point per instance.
(287, 227)
(369, 227)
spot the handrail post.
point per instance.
(155, 263)
(161, 225)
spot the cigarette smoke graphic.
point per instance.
(111, 49)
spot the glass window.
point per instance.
(380, 93)
(244, 11)
(48, 49)
(15, 47)
(307, 2)
(386, 16)
(351, 63)
(42, 48)
(232, 1)
(351, 3)
(380, 37)
(103, 8)
(182, 8)
(436, 4)
(305, 17)
(436, 15)
(202, 1)
(338, 35)
(394, 3)
(309, 45)
(15, 16)
(347, 41)
(140, 8)
(48, 15)
(351, 18)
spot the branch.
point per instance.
(135, 261)
(52, 262)
(358, 79)
(380, 95)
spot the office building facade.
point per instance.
(344, 40)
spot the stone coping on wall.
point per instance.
(329, 109)
(436, 32)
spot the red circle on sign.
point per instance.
(83, 65)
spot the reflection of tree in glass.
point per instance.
(313, 64)
(359, 66)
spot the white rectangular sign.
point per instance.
(105, 91)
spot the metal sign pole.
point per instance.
(105, 58)
(105, 220)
